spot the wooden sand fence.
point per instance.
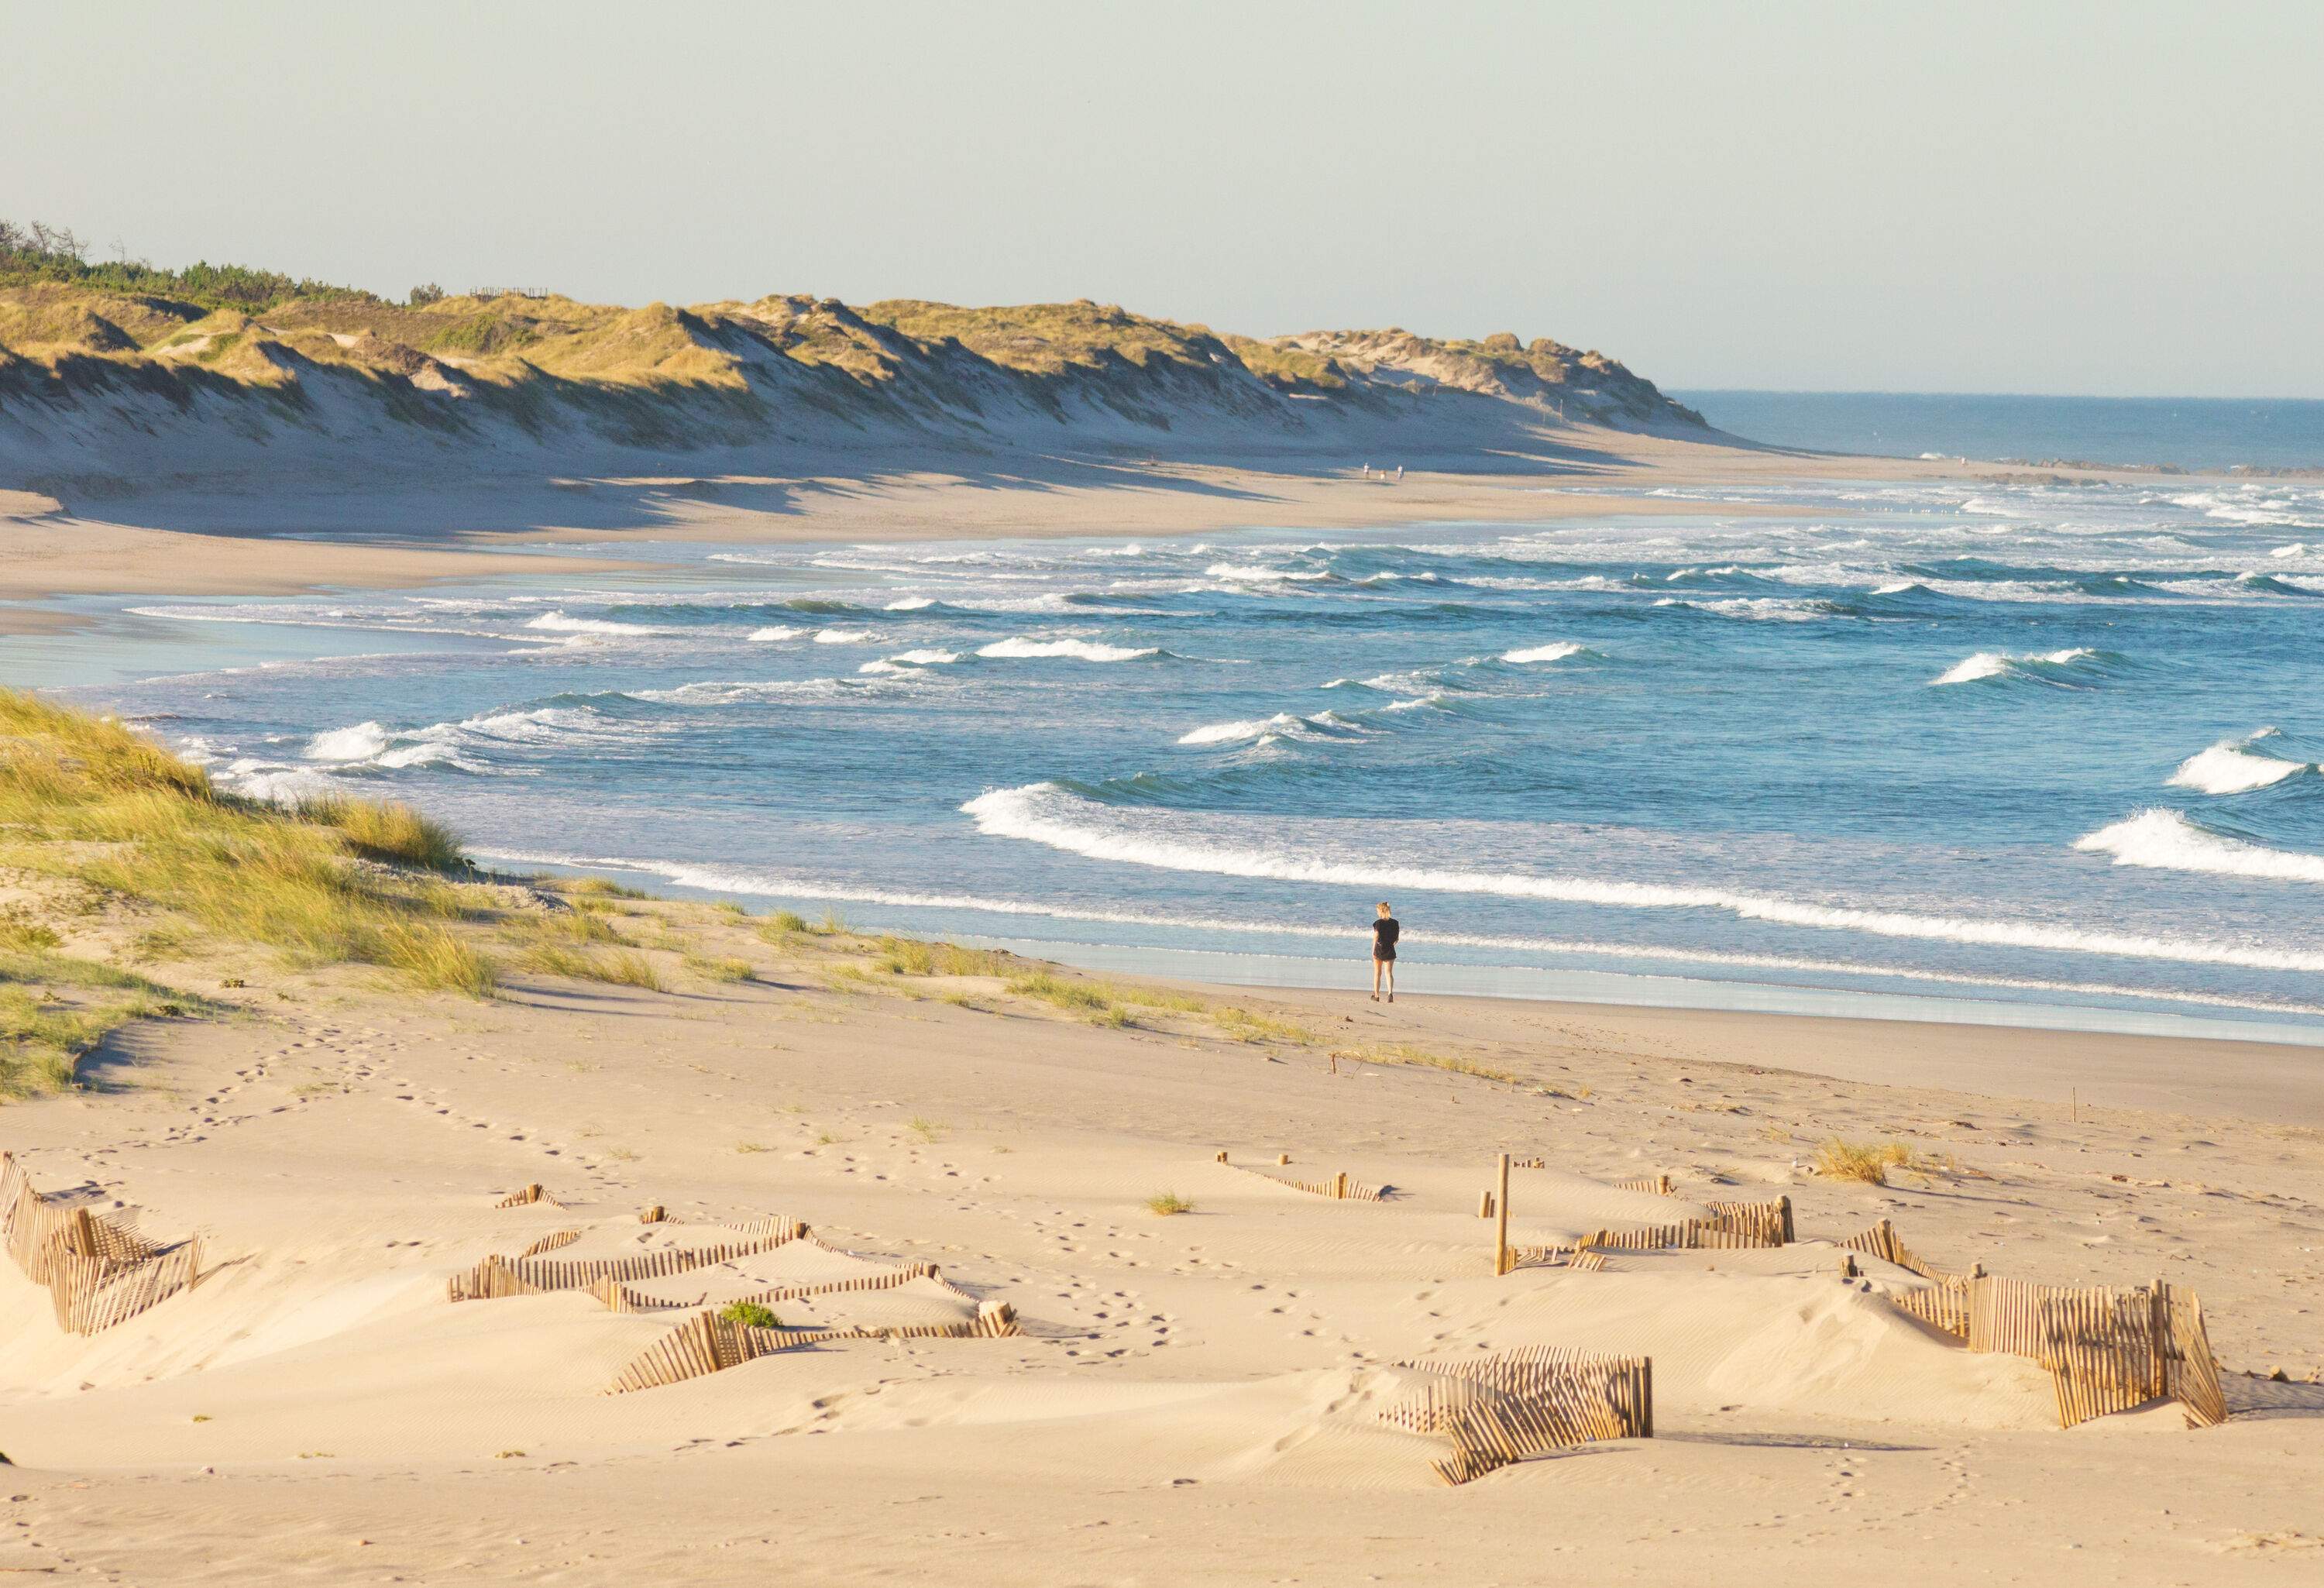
(1732, 1226)
(2108, 1349)
(1651, 1184)
(97, 1272)
(525, 1196)
(708, 1343)
(498, 1277)
(1502, 1408)
(619, 1297)
(1339, 1187)
(1881, 1240)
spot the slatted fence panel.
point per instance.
(498, 1277)
(97, 1273)
(2190, 1372)
(1502, 1408)
(706, 1343)
(1355, 1192)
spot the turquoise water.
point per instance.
(1995, 747)
(2210, 433)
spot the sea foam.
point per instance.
(1079, 650)
(1048, 814)
(1557, 651)
(1995, 664)
(2167, 841)
(2229, 767)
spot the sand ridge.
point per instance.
(344, 1154)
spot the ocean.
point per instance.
(2037, 753)
(2212, 434)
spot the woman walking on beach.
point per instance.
(1386, 930)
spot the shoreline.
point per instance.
(301, 538)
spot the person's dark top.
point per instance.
(1385, 932)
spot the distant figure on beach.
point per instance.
(1386, 930)
(1399, 474)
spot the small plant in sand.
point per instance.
(751, 1314)
(603, 888)
(1163, 1203)
(783, 924)
(1868, 1162)
(1247, 1025)
(928, 1131)
(753, 1147)
(718, 968)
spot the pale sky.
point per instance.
(2042, 196)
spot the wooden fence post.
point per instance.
(1502, 1218)
(1340, 1184)
(1484, 1204)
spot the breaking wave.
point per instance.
(1050, 814)
(1079, 650)
(2229, 767)
(2167, 841)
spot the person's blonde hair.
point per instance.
(1383, 908)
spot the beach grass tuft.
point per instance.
(1163, 1203)
(1868, 1162)
(751, 1314)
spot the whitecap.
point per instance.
(2229, 767)
(2167, 841)
(775, 632)
(1557, 650)
(911, 603)
(1230, 733)
(1254, 575)
(558, 622)
(1079, 650)
(1988, 664)
(359, 742)
(1046, 813)
(842, 636)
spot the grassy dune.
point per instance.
(72, 328)
(99, 821)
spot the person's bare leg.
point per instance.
(1389, 967)
(1376, 979)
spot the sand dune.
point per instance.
(1193, 1396)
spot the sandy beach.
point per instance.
(1193, 1396)
(301, 535)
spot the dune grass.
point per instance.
(624, 967)
(714, 967)
(1405, 1053)
(1164, 1204)
(751, 1314)
(55, 1008)
(84, 798)
(911, 956)
(603, 888)
(1105, 1002)
(1868, 1162)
